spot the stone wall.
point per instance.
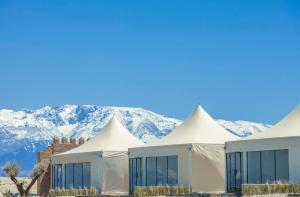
(57, 146)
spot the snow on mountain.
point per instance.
(25, 132)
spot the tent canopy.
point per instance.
(198, 128)
(113, 137)
(287, 127)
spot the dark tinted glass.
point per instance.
(282, 165)
(162, 170)
(151, 170)
(172, 170)
(69, 175)
(268, 166)
(253, 165)
(86, 176)
(139, 171)
(78, 175)
(238, 173)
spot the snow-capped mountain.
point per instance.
(25, 132)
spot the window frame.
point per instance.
(275, 164)
(156, 171)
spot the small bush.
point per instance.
(141, 191)
(7, 193)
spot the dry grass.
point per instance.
(270, 188)
(141, 191)
(73, 192)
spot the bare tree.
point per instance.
(12, 170)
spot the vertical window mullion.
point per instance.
(131, 174)
(65, 176)
(136, 174)
(73, 175)
(230, 171)
(81, 175)
(241, 170)
(260, 166)
(167, 170)
(247, 166)
(227, 172)
(275, 165)
(156, 169)
(146, 171)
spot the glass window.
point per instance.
(282, 165)
(59, 176)
(151, 171)
(139, 171)
(228, 171)
(238, 166)
(232, 169)
(172, 170)
(135, 173)
(268, 166)
(86, 177)
(162, 170)
(78, 175)
(69, 175)
(253, 166)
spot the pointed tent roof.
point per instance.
(113, 137)
(287, 127)
(198, 128)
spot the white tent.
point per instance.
(270, 155)
(108, 158)
(197, 146)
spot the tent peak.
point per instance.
(200, 113)
(287, 127)
(199, 127)
(114, 118)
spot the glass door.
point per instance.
(234, 171)
(135, 173)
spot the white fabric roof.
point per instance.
(287, 127)
(113, 137)
(198, 128)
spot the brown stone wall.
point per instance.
(58, 146)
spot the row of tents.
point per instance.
(199, 153)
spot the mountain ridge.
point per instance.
(24, 132)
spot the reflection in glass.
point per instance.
(86, 177)
(268, 166)
(151, 171)
(282, 165)
(253, 163)
(172, 170)
(162, 170)
(69, 175)
(78, 175)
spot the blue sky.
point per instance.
(239, 59)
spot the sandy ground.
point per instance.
(6, 183)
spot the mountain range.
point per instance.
(25, 132)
